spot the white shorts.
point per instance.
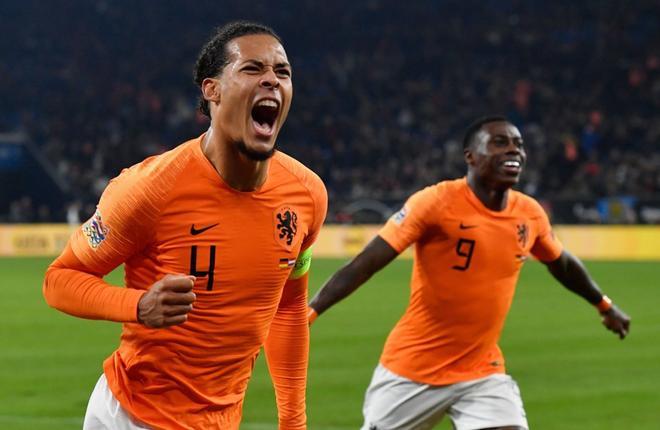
(396, 403)
(105, 413)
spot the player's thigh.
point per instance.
(105, 413)
(493, 402)
(396, 403)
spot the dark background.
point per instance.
(383, 91)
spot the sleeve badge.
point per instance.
(399, 216)
(94, 230)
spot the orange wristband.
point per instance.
(311, 315)
(604, 305)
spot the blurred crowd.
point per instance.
(383, 91)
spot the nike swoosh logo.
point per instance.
(195, 231)
(465, 227)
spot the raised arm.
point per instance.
(376, 255)
(572, 274)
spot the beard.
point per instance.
(255, 155)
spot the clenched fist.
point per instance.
(615, 320)
(167, 302)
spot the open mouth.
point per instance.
(264, 115)
(513, 167)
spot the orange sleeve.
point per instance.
(407, 225)
(120, 227)
(547, 247)
(320, 197)
(123, 222)
(68, 288)
(287, 352)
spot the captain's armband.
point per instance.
(303, 263)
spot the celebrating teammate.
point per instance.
(471, 237)
(215, 236)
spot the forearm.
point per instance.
(339, 286)
(572, 274)
(376, 255)
(73, 291)
(287, 352)
(568, 270)
(87, 296)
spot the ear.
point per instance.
(468, 156)
(211, 90)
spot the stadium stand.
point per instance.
(383, 90)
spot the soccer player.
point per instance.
(216, 239)
(471, 236)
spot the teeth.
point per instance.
(267, 103)
(512, 163)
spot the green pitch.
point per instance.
(572, 372)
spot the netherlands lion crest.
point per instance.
(286, 226)
(523, 233)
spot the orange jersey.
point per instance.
(466, 265)
(174, 214)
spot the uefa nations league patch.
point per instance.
(400, 216)
(94, 230)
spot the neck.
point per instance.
(234, 167)
(494, 198)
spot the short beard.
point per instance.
(255, 155)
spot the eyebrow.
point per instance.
(261, 63)
(495, 136)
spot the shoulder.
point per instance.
(145, 186)
(437, 196)
(165, 167)
(451, 188)
(527, 205)
(289, 170)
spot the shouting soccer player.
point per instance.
(215, 236)
(471, 237)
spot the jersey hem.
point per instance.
(445, 381)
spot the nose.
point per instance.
(269, 79)
(513, 146)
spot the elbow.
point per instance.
(49, 288)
